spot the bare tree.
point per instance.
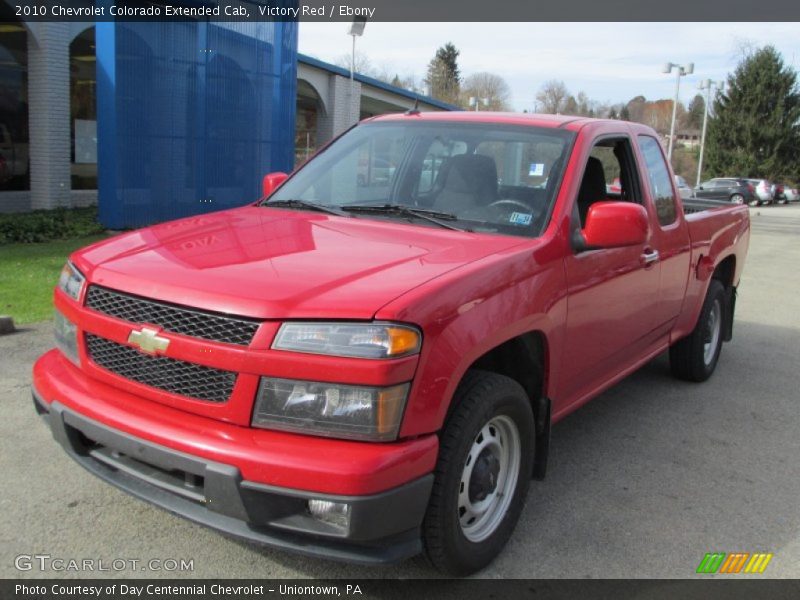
(362, 63)
(552, 96)
(382, 72)
(487, 86)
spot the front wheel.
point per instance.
(482, 474)
(695, 357)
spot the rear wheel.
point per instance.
(695, 357)
(482, 474)
(737, 199)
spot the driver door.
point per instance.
(612, 293)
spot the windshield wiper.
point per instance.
(432, 216)
(293, 203)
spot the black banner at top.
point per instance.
(403, 10)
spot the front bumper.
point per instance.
(383, 527)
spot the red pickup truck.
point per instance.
(367, 365)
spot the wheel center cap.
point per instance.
(484, 476)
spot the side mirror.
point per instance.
(271, 182)
(699, 187)
(615, 224)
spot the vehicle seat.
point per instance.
(468, 181)
(593, 187)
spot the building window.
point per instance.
(14, 164)
(83, 111)
(305, 142)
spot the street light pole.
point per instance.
(682, 70)
(356, 30)
(706, 85)
(476, 102)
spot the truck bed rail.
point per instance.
(695, 205)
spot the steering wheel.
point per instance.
(509, 204)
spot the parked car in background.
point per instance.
(684, 189)
(789, 193)
(764, 192)
(738, 191)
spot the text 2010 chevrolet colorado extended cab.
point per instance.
(367, 363)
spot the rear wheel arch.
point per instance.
(725, 273)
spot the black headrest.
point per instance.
(593, 185)
(471, 173)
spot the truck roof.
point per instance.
(537, 120)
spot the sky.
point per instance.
(611, 62)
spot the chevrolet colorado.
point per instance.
(366, 363)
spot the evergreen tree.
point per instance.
(625, 114)
(444, 77)
(755, 131)
(695, 112)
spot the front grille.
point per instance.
(171, 317)
(168, 374)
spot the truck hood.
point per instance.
(280, 264)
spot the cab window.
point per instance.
(659, 180)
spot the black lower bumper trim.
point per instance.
(384, 528)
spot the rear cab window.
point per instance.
(659, 180)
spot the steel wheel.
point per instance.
(713, 330)
(695, 357)
(489, 478)
(484, 468)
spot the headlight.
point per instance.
(357, 340)
(71, 281)
(66, 334)
(330, 409)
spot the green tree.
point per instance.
(695, 112)
(443, 77)
(755, 131)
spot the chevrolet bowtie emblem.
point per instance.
(148, 341)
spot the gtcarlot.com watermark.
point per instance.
(47, 562)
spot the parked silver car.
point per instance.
(684, 189)
(789, 193)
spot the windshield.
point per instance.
(480, 177)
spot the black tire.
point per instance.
(482, 398)
(689, 358)
(737, 198)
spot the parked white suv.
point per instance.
(763, 191)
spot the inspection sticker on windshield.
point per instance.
(518, 218)
(536, 170)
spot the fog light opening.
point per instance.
(336, 514)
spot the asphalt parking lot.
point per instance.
(642, 482)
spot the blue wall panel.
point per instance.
(191, 115)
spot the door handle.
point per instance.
(649, 257)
